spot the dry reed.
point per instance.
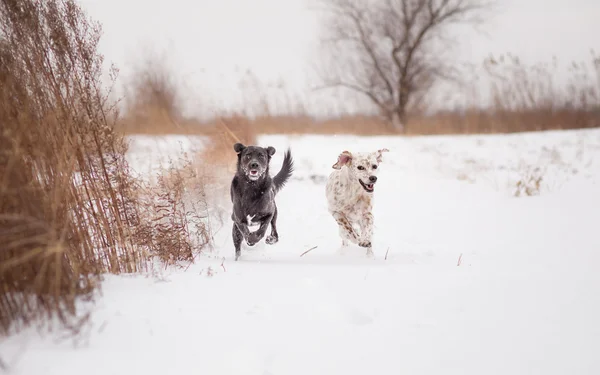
(70, 208)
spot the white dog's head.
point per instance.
(362, 167)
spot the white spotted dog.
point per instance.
(349, 194)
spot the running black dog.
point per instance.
(253, 194)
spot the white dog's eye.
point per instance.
(374, 166)
(361, 168)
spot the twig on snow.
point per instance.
(459, 259)
(191, 262)
(223, 265)
(386, 253)
(312, 248)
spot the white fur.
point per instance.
(252, 225)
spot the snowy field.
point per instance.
(524, 298)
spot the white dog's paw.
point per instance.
(364, 243)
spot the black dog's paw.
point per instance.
(270, 240)
(252, 239)
(365, 244)
(237, 254)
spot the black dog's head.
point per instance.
(253, 161)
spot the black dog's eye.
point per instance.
(374, 166)
(361, 168)
(261, 156)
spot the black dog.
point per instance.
(253, 194)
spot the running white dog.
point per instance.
(349, 194)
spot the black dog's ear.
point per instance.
(271, 150)
(238, 147)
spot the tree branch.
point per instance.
(366, 43)
(368, 92)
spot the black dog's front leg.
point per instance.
(237, 240)
(243, 228)
(274, 237)
(240, 231)
(254, 237)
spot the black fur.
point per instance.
(253, 194)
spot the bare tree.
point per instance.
(391, 51)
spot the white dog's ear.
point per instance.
(344, 158)
(379, 152)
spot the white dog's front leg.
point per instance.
(343, 235)
(366, 231)
(347, 232)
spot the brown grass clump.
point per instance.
(177, 221)
(70, 209)
(152, 97)
(530, 182)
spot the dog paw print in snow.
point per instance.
(242, 361)
(255, 310)
(210, 271)
(325, 306)
(359, 318)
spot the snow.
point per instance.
(524, 299)
(147, 155)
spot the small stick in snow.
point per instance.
(386, 253)
(312, 248)
(192, 261)
(102, 326)
(223, 265)
(459, 259)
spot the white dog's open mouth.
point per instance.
(368, 187)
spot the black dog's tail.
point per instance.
(286, 171)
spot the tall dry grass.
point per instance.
(523, 97)
(520, 97)
(152, 96)
(70, 208)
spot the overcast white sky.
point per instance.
(211, 43)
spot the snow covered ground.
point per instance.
(525, 298)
